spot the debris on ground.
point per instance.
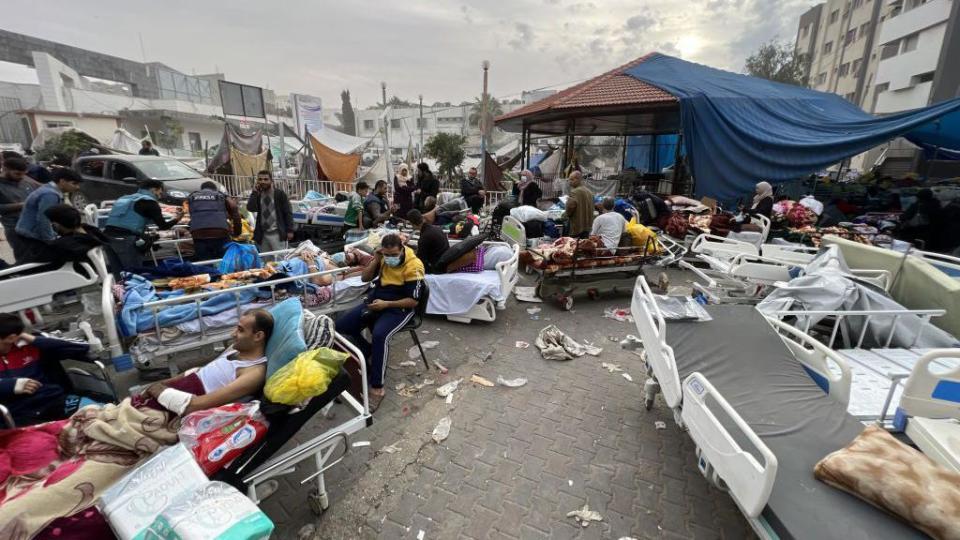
(660, 425)
(307, 532)
(412, 390)
(392, 449)
(511, 383)
(425, 332)
(555, 345)
(614, 339)
(612, 368)
(526, 294)
(631, 343)
(618, 314)
(441, 367)
(442, 431)
(414, 353)
(400, 386)
(570, 483)
(487, 357)
(449, 399)
(627, 377)
(522, 345)
(449, 388)
(533, 310)
(476, 379)
(408, 363)
(585, 515)
(361, 444)
(420, 534)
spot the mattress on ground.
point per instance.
(744, 358)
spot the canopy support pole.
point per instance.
(678, 168)
(623, 155)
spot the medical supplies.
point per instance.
(213, 511)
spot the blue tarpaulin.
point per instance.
(739, 130)
(650, 153)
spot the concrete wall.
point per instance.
(921, 17)
(100, 128)
(27, 94)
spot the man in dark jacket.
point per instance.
(274, 214)
(147, 149)
(210, 211)
(32, 382)
(74, 240)
(433, 242)
(427, 184)
(471, 188)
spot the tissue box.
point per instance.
(214, 511)
(135, 501)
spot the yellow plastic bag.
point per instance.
(306, 376)
(643, 237)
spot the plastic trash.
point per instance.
(408, 363)
(526, 294)
(522, 345)
(660, 425)
(392, 449)
(449, 399)
(681, 308)
(476, 379)
(555, 345)
(449, 388)
(421, 534)
(618, 314)
(631, 343)
(612, 368)
(442, 431)
(585, 515)
(627, 377)
(533, 310)
(361, 444)
(414, 353)
(511, 383)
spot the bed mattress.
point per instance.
(744, 358)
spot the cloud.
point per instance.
(640, 23)
(466, 14)
(581, 7)
(524, 36)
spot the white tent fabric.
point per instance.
(124, 141)
(341, 142)
(377, 172)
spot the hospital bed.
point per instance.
(759, 421)
(734, 243)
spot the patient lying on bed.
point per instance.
(237, 373)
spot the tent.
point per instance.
(739, 129)
(236, 142)
(124, 141)
(334, 165)
(340, 142)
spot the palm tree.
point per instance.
(493, 110)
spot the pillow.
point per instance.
(286, 342)
(318, 331)
(894, 477)
(458, 250)
(496, 254)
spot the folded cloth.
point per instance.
(555, 345)
(894, 477)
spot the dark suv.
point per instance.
(109, 177)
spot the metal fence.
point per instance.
(296, 188)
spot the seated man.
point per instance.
(399, 276)
(376, 208)
(433, 241)
(32, 382)
(609, 225)
(239, 372)
(74, 239)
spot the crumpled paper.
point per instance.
(555, 345)
(585, 515)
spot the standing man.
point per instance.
(274, 215)
(376, 209)
(433, 242)
(128, 218)
(579, 210)
(147, 149)
(15, 186)
(471, 188)
(609, 225)
(352, 218)
(33, 226)
(209, 212)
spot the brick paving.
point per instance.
(518, 459)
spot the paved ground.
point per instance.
(517, 460)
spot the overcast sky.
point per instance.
(433, 48)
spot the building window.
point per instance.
(881, 88)
(368, 125)
(54, 124)
(921, 78)
(856, 67)
(844, 69)
(450, 120)
(889, 50)
(834, 16)
(821, 78)
(827, 47)
(394, 123)
(857, 3)
(804, 31)
(196, 144)
(864, 28)
(910, 43)
(851, 37)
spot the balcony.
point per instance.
(914, 20)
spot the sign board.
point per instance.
(242, 100)
(307, 113)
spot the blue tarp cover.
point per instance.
(739, 130)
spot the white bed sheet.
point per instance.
(453, 294)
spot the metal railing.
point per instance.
(296, 188)
(894, 315)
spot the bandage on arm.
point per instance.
(174, 400)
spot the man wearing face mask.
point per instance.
(398, 276)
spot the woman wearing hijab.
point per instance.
(762, 201)
(403, 189)
(527, 191)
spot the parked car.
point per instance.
(110, 177)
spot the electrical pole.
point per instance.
(386, 125)
(421, 129)
(483, 123)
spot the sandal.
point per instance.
(375, 401)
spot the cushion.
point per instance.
(318, 330)
(897, 478)
(495, 255)
(458, 250)
(286, 342)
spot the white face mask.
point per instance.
(392, 261)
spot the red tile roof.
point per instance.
(612, 88)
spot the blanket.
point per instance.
(59, 469)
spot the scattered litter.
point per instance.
(627, 377)
(392, 449)
(449, 388)
(400, 386)
(476, 379)
(522, 345)
(512, 383)
(555, 345)
(614, 339)
(420, 535)
(487, 357)
(414, 353)
(361, 444)
(449, 399)
(618, 314)
(307, 532)
(631, 343)
(412, 390)
(612, 368)
(441, 367)
(408, 363)
(570, 483)
(533, 310)
(626, 538)
(585, 515)
(442, 431)
(663, 281)
(425, 332)
(660, 425)
(526, 294)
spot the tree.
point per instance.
(397, 102)
(494, 109)
(68, 144)
(447, 149)
(347, 117)
(778, 62)
(170, 135)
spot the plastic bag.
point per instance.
(681, 308)
(308, 375)
(217, 436)
(240, 257)
(643, 237)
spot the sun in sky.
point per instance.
(689, 45)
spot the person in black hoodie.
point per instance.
(74, 239)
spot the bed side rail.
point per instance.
(512, 232)
(720, 246)
(792, 253)
(652, 330)
(817, 357)
(508, 271)
(720, 458)
(932, 393)
(839, 328)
